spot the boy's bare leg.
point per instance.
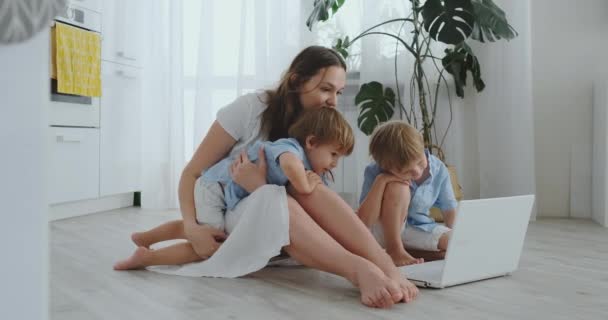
(167, 231)
(444, 241)
(427, 255)
(312, 246)
(394, 212)
(179, 253)
(334, 216)
(442, 246)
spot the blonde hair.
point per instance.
(327, 126)
(395, 144)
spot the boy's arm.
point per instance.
(446, 200)
(448, 217)
(294, 170)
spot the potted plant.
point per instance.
(450, 22)
(432, 22)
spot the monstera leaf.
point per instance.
(458, 62)
(320, 11)
(490, 21)
(342, 46)
(376, 105)
(448, 21)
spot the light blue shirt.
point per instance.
(435, 191)
(233, 193)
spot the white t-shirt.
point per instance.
(242, 119)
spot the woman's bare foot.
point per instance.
(402, 258)
(408, 289)
(138, 239)
(135, 261)
(377, 290)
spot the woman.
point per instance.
(321, 224)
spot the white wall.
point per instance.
(568, 41)
(24, 90)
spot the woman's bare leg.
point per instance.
(179, 253)
(334, 216)
(312, 246)
(395, 202)
(167, 231)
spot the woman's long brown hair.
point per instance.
(284, 103)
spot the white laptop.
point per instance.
(486, 242)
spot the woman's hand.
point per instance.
(204, 239)
(247, 174)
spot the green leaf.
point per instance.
(448, 21)
(457, 62)
(320, 11)
(490, 21)
(336, 6)
(341, 46)
(376, 105)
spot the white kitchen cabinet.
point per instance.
(122, 29)
(94, 5)
(74, 164)
(120, 152)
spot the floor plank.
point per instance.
(563, 274)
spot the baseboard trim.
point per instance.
(81, 208)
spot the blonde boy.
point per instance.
(399, 188)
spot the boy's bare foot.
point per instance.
(135, 261)
(377, 290)
(403, 258)
(137, 238)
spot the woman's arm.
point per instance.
(215, 146)
(247, 174)
(303, 182)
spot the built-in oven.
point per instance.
(67, 110)
(74, 128)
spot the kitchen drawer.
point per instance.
(74, 167)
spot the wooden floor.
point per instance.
(563, 274)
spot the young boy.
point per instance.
(399, 188)
(317, 141)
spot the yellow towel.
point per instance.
(77, 61)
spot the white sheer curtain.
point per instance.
(201, 55)
(243, 46)
(163, 107)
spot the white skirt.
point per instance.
(259, 228)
